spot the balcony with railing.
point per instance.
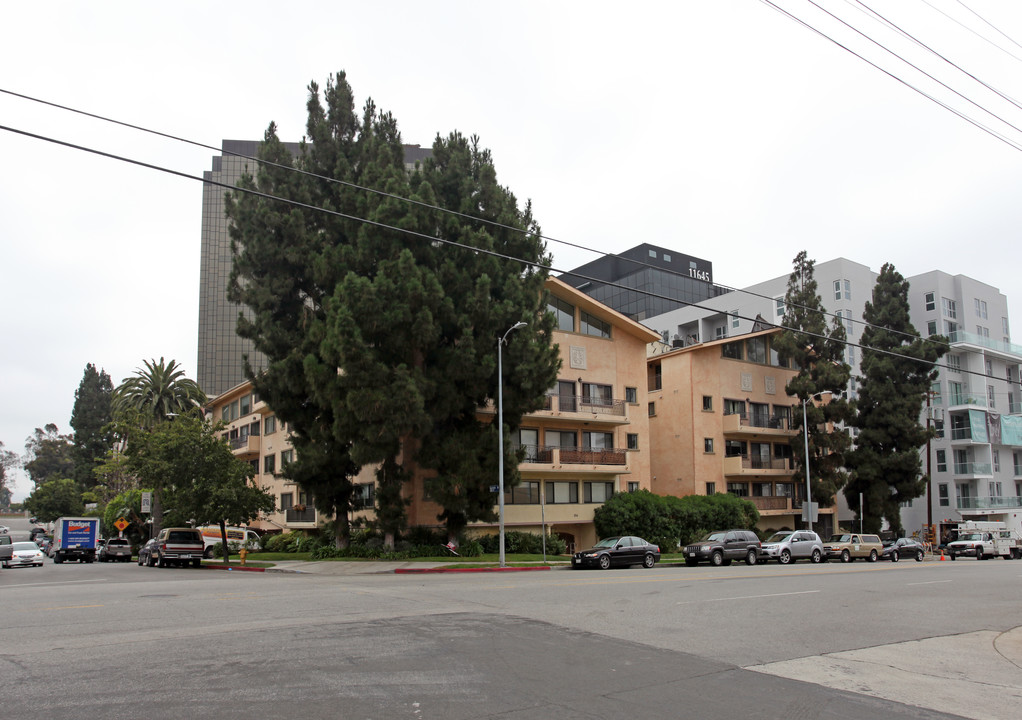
(300, 514)
(987, 504)
(584, 407)
(756, 465)
(966, 400)
(556, 458)
(961, 435)
(1005, 348)
(972, 469)
(244, 445)
(740, 424)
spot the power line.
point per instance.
(434, 238)
(997, 30)
(345, 183)
(966, 27)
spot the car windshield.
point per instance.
(778, 537)
(713, 536)
(840, 538)
(970, 536)
(608, 542)
(25, 546)
(116, 541)
(184, 537)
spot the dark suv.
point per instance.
(723, 546)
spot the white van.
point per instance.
(249, 539)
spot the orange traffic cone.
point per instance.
(942, 553)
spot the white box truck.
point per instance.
(74, 539)
(244, 538)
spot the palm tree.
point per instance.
(158, 392)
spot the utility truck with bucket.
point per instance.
(983, 540)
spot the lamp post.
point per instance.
(500, 434)
(805, 436)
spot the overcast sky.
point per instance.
(723, 129)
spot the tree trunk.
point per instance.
(223, 541)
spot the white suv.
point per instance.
(788, 546)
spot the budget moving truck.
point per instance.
(75, 539)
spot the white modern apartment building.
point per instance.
(976, 462)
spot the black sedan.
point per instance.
(903, 548)
(620, 551)
(145, 554)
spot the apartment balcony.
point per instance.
(606, 461)
(247, 445)
(776, 505)
(965, 470)
(984, 505)
(305, 517)
(737, 465)
(966, 401)
(1015, 408)
(764, 428)
(963, 436)
(1007, 350)
(583, 408)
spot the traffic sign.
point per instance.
(121, 524)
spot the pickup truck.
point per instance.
(849, 546)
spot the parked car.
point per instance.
(788, 546)
(145, 554)
(723, 546)
(6, 551)
(115, 550)
(178, 546)
(35, 532)
(903, 548)
(25, 553)
(626, 550)
(4, 529)
(849, 546)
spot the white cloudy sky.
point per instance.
(721, 129)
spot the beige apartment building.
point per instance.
(720, 420)
(589, 441)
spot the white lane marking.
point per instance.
(931, 582)
(58, 582)
(750, 597)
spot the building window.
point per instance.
(982, 331)
(592, 325)
(364, 496)
(634, 486)
(652, 409)
(598, 492)
(720, 332)
(246, 404)
(779, 306)
(938, 429)
(597, 440)
(954, 364)
(631, 395)
(287, 501)
(942, 493)
(842, 290)
(633, 441)
(270, 425)
(270, 464)
(711, 488)
(667, 258)
(851, 355)
(990, 397)
(707, 403)
(561, 493)
(931, 328)
(593, 394)
(652, 253)
(997, 461)
(707, 445)
(931, 301)
(739, 489)
(950, 308)
(732, 350)
(846, 319)
(734, 407)
(254, 464)
(524, 493)
(734, 320)
(564, 312)
(1004, 328)
(286, 458)
(981, 308)
(756, 350)
(935, 397)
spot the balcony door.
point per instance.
(566, 396)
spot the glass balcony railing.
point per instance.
(973, 468)
(966, 399)
(988, 503)
(983, 341)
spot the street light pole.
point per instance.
(500, 434)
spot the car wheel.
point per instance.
(208, 553)
(751, 557)
(717, 558)
(785, 557)
(140, 561)
(604, 562)
(817, 556)
(873, 556)
(846, 556)
(895, 556)
(648, 561)
(919, 555)
(951, 555)
(196, 563)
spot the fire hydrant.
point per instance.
(244, 553)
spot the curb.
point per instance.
(424, 571)
(232, 567)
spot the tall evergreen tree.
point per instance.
(90, 420)
(817, 351)
(898, 369)
(49, 455)
(381, 343)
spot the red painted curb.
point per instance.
(233, 567)
(423, 571)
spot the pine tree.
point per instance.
(381, 343)
(898, 369)
(90, 420)
(817, 351)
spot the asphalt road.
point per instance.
(118, 640)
